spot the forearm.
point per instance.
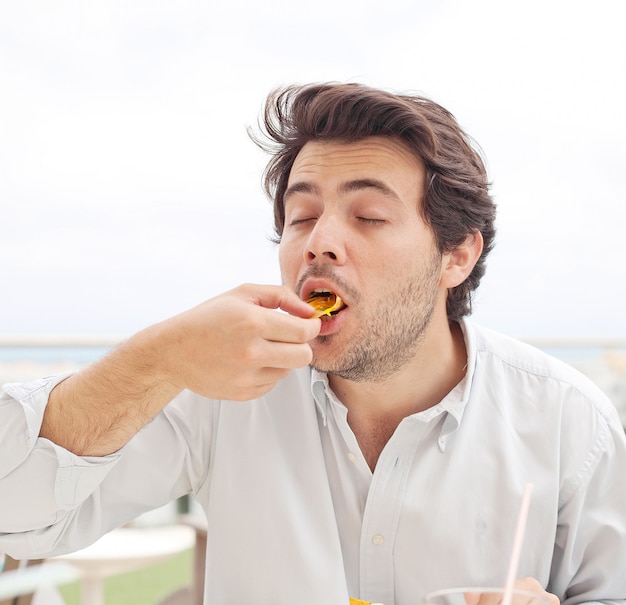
(234, 346)
(54, 501)
(98, 410)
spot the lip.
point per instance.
(319, 284)
(333, 323)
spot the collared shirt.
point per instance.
(295, 514)
(366, 523)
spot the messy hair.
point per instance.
(456, 201)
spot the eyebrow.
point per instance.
(360, 184)
(345, 187)
(300, 187)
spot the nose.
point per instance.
(326, 242)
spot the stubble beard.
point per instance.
(391, 336)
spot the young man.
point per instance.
(396, 464)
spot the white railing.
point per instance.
(606, 366)
(98, 340)
(59, 340)
(576, 342)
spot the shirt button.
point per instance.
(378, 539)
(351, 457)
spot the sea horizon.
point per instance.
(30, 357)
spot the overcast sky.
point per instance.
(129, 190)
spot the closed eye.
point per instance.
(299, 221)
(370, 221)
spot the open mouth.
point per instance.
(325, 303)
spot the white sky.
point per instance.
(129, 190)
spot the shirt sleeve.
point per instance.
(590, 543)
(54, 501)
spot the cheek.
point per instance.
(287, 260)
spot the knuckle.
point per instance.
(307, 330)
(245, 287)
(251, 324)
(301, 331)
(307, 356)
(301, 356)
(252, 354)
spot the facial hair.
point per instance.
(391, 334)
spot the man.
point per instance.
(397, 464)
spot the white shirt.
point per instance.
(295, 515)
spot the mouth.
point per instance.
(326, 303)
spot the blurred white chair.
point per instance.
(123, 550)
(194, 593)
(48, 595)
(20, 580)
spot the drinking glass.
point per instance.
(475, 595)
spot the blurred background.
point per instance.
(130, 191)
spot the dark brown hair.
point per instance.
(456, 202)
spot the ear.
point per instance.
(458, 263)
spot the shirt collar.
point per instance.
(320, 388)
(453, 404)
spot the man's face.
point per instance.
(353, 226)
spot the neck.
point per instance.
(376, 408)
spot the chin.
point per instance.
(323, 360)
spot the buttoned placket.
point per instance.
(383, 508)
(382, 492)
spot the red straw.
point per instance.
(517, 545)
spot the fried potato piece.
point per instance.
(325, 303)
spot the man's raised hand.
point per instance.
(238, 344)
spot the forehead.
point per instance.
(382, 157)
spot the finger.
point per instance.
(263, 382)
(533, 585)
(260, 354)
(488, 598)
(280, 297)
(263, 355)
(280, 355)
(300, 308)
(280, 327)
(472, 598)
